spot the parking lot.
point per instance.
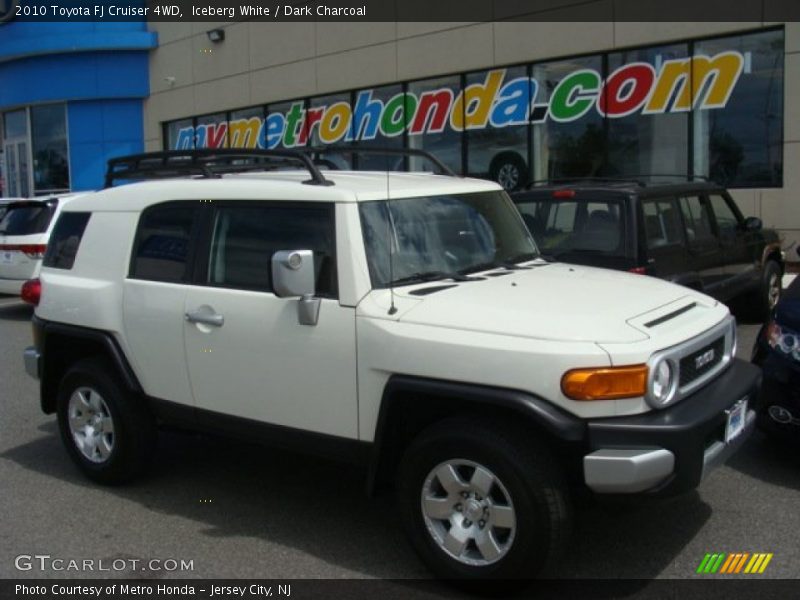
(236, 510)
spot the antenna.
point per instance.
(392, 238)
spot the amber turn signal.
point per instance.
(605, 383)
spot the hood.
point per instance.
(554, 301)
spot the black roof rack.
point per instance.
(381, 151)
(213, 162)
(640, 180)
(207, 163)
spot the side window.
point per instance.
(696, 219)
(662, 222)
(727, 221)
(65, 239)
(246, 237)
(162, 243)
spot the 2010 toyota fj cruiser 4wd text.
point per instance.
(404, 321)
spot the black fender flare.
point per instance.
(557, 422)
(47, 330)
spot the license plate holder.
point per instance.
(736, 417)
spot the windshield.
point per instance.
(26, 219)
(575, 226)
(438, 237)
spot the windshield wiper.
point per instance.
(510, 264)
(431, 276)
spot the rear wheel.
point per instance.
(107, 433)
(481, 501)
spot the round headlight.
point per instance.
(662, 385)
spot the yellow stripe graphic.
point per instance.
(765, 563)
(758, 562)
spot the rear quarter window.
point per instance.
(161, 252)
(62, 248)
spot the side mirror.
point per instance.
(753, 224)
(293, 277)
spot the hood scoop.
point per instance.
(669, 316)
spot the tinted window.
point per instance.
(575, 226)
(27, 218)
(662, 222)
(65, 239)
(727, 222)
(162, 244)
(696, 218)
(245, 238)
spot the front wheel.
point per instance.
(766, 297)
(482, 501)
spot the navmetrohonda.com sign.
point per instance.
(679, 85)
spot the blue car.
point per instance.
(777, 352)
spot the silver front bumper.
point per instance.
(632, 470)
(627, 471)
(32, 358)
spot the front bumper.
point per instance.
(779, 403)
(670, 451)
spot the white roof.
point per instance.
(348, 186)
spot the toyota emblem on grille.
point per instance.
(703, 359)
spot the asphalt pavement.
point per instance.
(236, 510)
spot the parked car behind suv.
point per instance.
(688, 233)
(24, 231)
(777, 352)
(405, 322)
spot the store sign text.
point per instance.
(679, 85)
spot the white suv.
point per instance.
(25, 229)
(405, 322)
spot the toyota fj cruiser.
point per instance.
(403, 321)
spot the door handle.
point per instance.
(205, 318)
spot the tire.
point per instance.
(509, 170)
(763, 300)
(108, 434)
(470, 457)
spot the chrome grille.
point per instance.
(689, 368)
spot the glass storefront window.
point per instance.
(50, 158)
(245, 128)
(212, 131)
(650, 143)
(285, 124)
(709, 108)
(180, 135)
(15, 124)
(571, 142)
(741, 145)
(429, 126)
(378, 121)
(496, 107)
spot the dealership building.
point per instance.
(514, 101)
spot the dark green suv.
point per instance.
(688, 233)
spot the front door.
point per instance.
(705, 249)
(17, 168)
(740, 251)
(251, 358)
